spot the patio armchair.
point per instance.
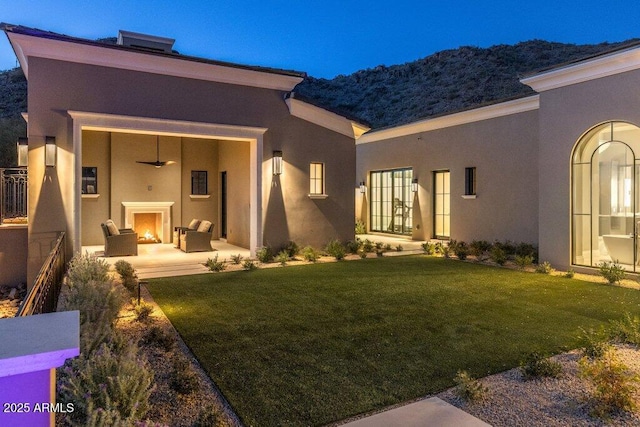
(119, 242)
(197, 240)
(179, 231)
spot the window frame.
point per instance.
(470, 181)
(313, 179)
(86, 179)
(196, 189)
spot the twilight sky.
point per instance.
(328, 37)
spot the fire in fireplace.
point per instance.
(147, 226)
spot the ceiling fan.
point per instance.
(158, 163)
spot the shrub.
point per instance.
(535, 365)
(453, 244)
(544, 268)
(236, 259)
(310, 254)
(207, 417)
(379, 246)
(570, 273)
(264, 254)
(446, 251)
(479, 248)
(113, 381)
(498, 255)
(214, 265)
(127, 274)
(156, 336)
(362, 254)
(387, 247)
(428, 248)
(507, 246)
(360, 227)
(611, 271)
(336, 249)
(249, 265)
(614, 384)
(282, 257)
(469, 388)
(86, 268)
(439, 246)
(399, 248)
(353, 246)
(143, 310)
(291, 248)
(626, 330)
(523, 261)
(184, 379)
(461, 250)
(368, 245)
(527, 249)
(594, 343)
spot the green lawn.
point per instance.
(309, 345)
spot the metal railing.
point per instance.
(43, 296)
(13, 195)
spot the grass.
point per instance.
(309, 345)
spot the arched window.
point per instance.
(605, 188)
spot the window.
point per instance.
(89, 180)
(441, 208)
(469, 181)
(199, 183)
(392, 201)
(316, 178)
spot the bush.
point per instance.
(570, 273)
(594, 343)
(360, 227)
(336, 249)
(544, 268)
(113, 381)
(614, 384)
(498, 255)
(480, 248)
(86, 268)
(626, 330)
(282, 257)
(143, 310)
(461, 250)
(535, 365)
(387, 247)
(523, 261)
(469, 388)
(310, 254)
(353, 246)
(236, 259)
(428, 248)
(157, 337)
(207, 417)
(527, 249)
(249, 265)
(507, 246)
(446, 251)
(184, 379)
(368, 245)
(128, 275)
(291, 248)
(611, 271)
(439, 246)
(214, 265)
(362, 254)
(264, 254)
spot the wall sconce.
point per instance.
(50, 151)
(414, 185)
(23, 151)
(363, 188)
(277, 162)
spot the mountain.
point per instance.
(447, 81)
(13, 101)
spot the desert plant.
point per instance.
(368, 245)
(143, 310)
(535, 365)
(453, 244)
(353, 246)
(335, 249)
(86, 268)
(439, 247)
(362, 254)
(480, 248)
(184, 379)
(310, 254)
(446, 251)
(626, 330)
(614, 385)
(523, 261)
(360, 227)
(378, 246)
(461, 250)
(469, 388)
(611, 271)
(156, 336)
(264, 254)
(570, 273)
(291, 248)
(399, 248)
(207, 417)
(214, 265)
(544, 268)
(593, 342)
(428, 248)
(249, 265)
(507, 246)
(527, 249)
(387, 247)
(498, 255)
(114, 381)
(128, 275)
(236, 259)
(282, 257)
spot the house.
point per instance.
(559, 169)
(134, 132)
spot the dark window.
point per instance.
(199, 182)
(89, 180)
(469, 181)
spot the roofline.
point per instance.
(33, 42)
(617, 61)
(493, 111)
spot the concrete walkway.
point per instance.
(431, 412)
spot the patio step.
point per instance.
(171, 270)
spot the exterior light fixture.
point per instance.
(50, 151)
(414, 185)
(363, 188)
(277, 162)
(23, 151)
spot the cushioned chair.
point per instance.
(179, 231)
(119, 242)
(197, 240)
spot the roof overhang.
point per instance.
(591, 69)
(325, 118)
(484, 113)
(26, 46)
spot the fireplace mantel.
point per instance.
(162, 208)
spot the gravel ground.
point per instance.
(548, 402)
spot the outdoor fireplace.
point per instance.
(151, 220)
(147, 226)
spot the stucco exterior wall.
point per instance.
(96, 152)
(13, 255)
(565, 114)
(200, 154)
(234, 160)
(504, 152)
